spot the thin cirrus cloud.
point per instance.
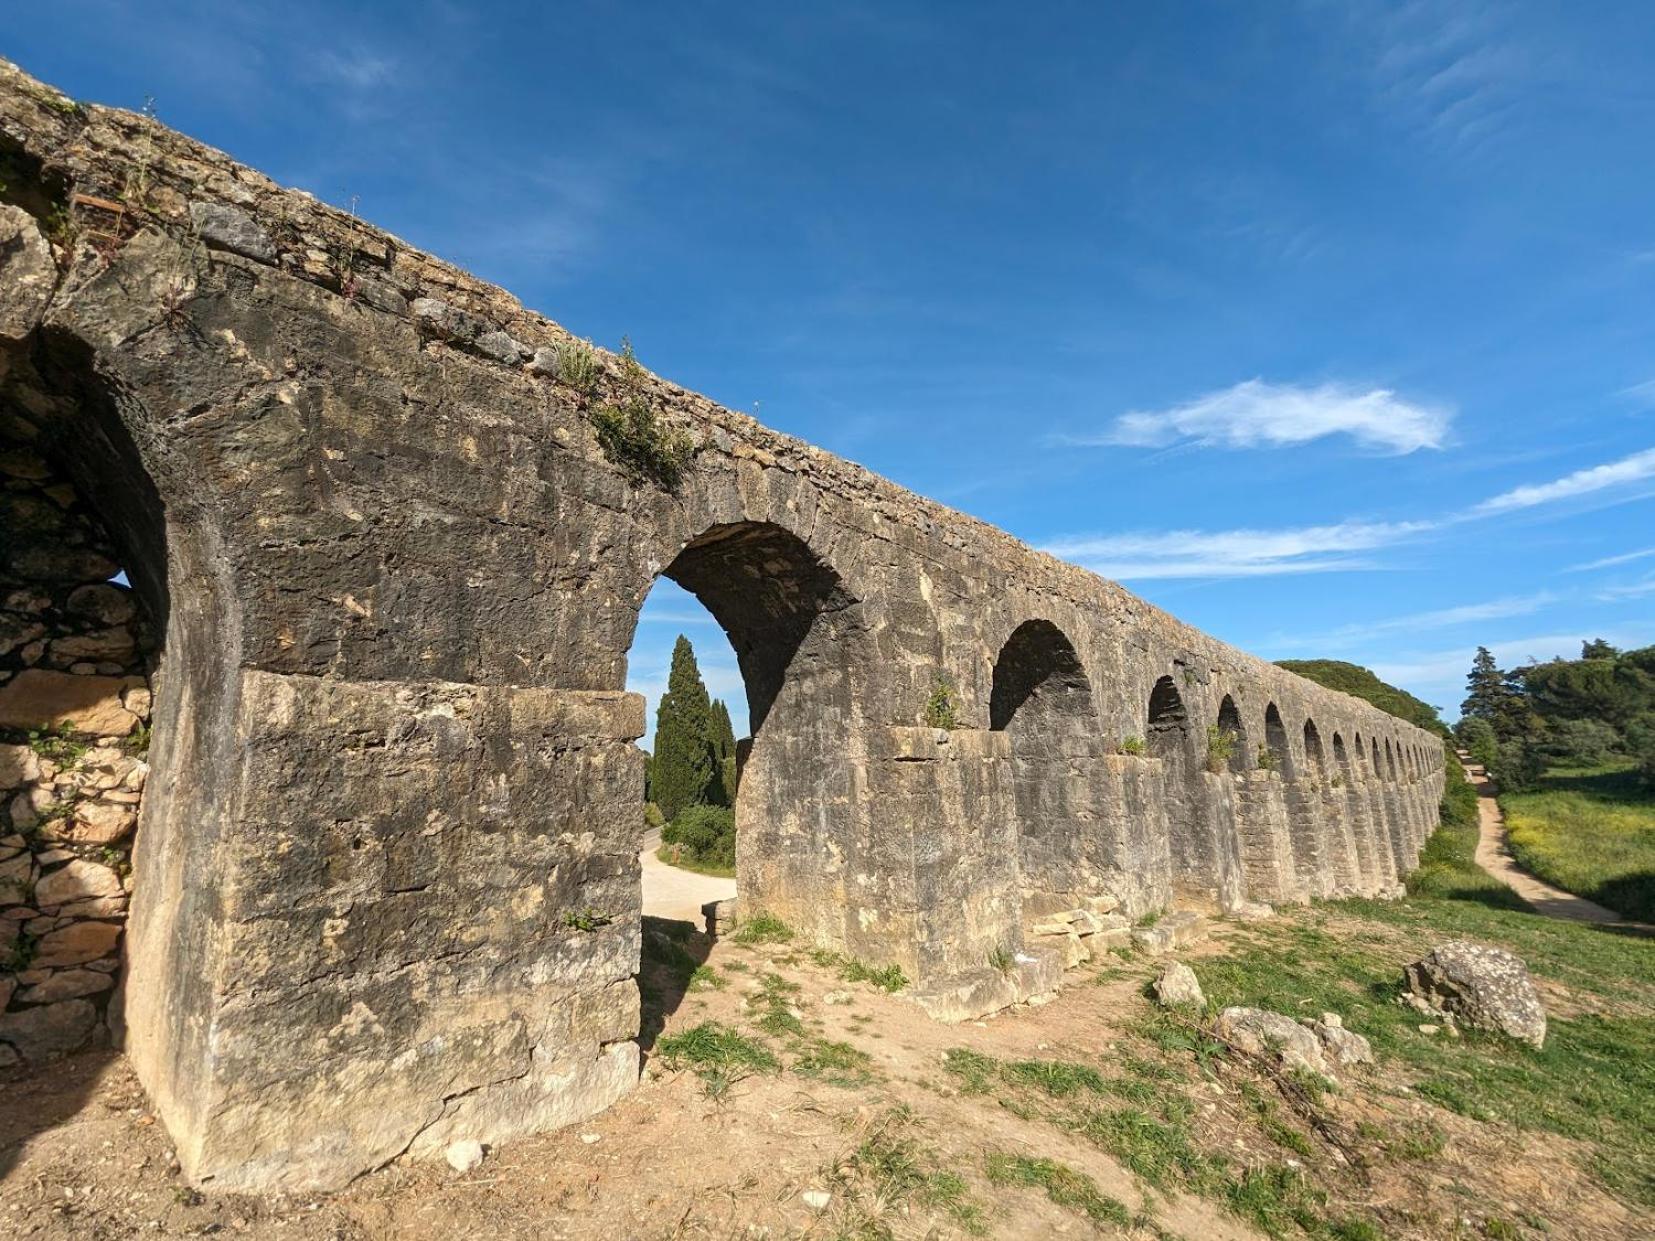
(1256, 414)
(1320, 549)
(1233, 553)
(1609, 562)
(1420, 622)
(1639, 466)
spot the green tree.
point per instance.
(724, 751)
(684, 766)
(1485, 687)
(1597, 648)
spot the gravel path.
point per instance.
(1494, 856)
(673, 893)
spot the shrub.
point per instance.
(1221, 747)
(1132, 745)
(1582, 743)
(940, 709)
(653, 816)
(704, 834)
(578, 367)
(631, 436)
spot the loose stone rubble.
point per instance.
(1485, 987)
(74, 701)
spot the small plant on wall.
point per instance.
(941, 710)
(1221, 747)
(1268, 759)
(1132, 745)
(630, 434)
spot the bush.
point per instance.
(940, 709)
(1581, 743)
(1517, 767)
(704, 835)
(1477, 736)
(653, 816)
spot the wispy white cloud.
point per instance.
(1638, 466)
(355, 69)
(1644, 393)
(1627, 590)
(1146, 555)
(1420, 622)
(1256, 414)
(1610, 561)
(1233, 553)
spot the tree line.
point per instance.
(691, 776)
(1584, 712)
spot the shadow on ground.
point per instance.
(42, 1097)
(673, 950)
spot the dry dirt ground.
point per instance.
(862, 1130)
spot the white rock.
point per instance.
(464, 1155)
(816, 1199)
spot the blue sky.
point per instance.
(1328, 326)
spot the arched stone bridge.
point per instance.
(394, 759)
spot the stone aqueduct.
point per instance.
(397, 581)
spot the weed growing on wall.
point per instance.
(940, 708)
(632, 437)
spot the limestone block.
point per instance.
(67, 985)
(19, 765)
(1264, 1033)
(76, 944)
(1482, 986)
(224, 227)
(50, 1030)
(103, 602)
(101, 823)
(1178, 985)
(79, 880)
(27, 274)
(38, 698)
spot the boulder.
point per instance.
(1178, 985)
(1264, 1033)
(224, 227)
(67, 985)
(1489, 988)
(101, 823)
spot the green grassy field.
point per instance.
(1595, 1079)
(1590, 831)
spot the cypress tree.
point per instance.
(724, 751)
(684, 767)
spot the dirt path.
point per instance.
(1494, 856)
(673, 893)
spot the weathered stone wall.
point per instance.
(385, 884)
(74, 704)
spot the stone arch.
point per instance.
(1201, 867)
(1275, 740)
(798, 636)
(1042, 699)
(96, 443)
(1314, 758)
(1230, 724)
(1390, 760)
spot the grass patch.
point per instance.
(888, 978)
(763, 928)
(1062, 1184)
(1590, 831)
(718, 1055)
(891, 1174)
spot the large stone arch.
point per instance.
(800, 640)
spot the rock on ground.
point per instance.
(1178, 985)
(1264, 1033)
(1489, 988)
